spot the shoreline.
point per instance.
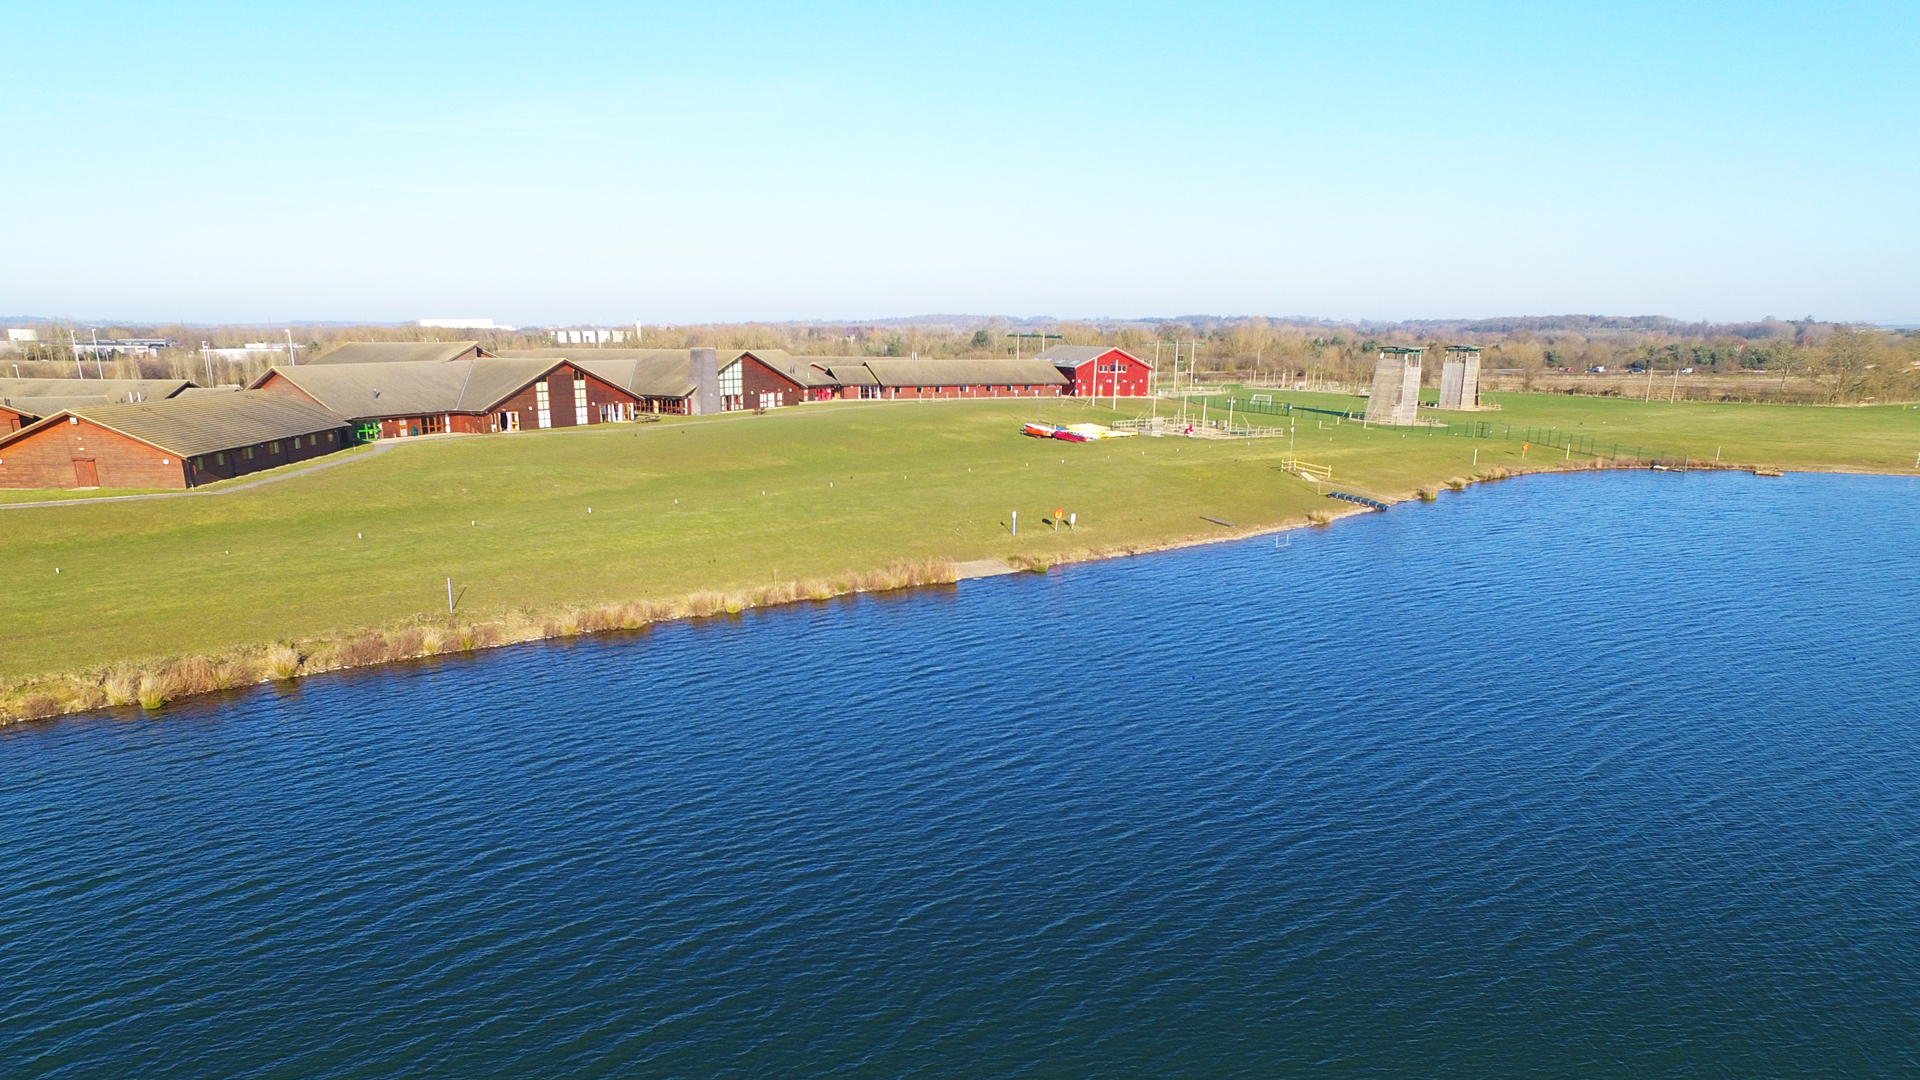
(153, 684)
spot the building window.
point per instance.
(579, 400)
(247, 453)
(730, 380)
(543, 408)
(273, 448)
(296, 442)
(219, 459)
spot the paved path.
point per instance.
(324, 463)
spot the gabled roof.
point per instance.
(893, 372)
(399, 352)
(1075, 355)
(669, 375)
(844, 370)
(799, 369)
(90, 391)
(367, 391)
(202, 425)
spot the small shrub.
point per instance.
(1320, 517)
(1428, 494)
(1458, 483)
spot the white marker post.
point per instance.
(449, 596)
(1016, 523)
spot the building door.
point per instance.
(84, 473)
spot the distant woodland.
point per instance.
(1770, 360)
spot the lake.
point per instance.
(1606, 775)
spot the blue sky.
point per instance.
(726, 161)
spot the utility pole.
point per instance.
(73, 343)
(291, 362)
(207, 359)
(98, 368)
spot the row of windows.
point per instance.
(246, 452)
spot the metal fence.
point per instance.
(1567, 442)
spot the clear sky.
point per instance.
(555, 163)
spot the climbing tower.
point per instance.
(1460, 378)
(1396, 386)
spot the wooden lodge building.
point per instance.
(397, 400)
(914, 380)
(179, 442)
(1101, 371)
(664, 381)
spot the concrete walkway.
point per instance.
(324, 463)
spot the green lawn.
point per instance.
(737, 501)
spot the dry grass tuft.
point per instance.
(1458, 483)
(155, 690)
(1320, 517)
(1428, 494)
(122, 687)
(282, 662)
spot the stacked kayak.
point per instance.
(1073, 432)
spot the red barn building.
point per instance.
(170, 443)
(1100, 371)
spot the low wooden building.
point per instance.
(1101, 371)
(899, 379)
(400, 352)
(771, 379)
(662, 381)
(169, 443)
(405, 399)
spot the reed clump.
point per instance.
(1458, 483)
(1320, 517)
(1428, 494)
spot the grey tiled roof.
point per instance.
(203, 425)
(395, 352)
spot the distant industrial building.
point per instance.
(16, 333)
(593, 336)
(122, 346)
(463, 324)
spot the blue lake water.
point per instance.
(1610, 775)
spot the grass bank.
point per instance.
(624, 523)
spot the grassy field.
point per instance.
(544, 520)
